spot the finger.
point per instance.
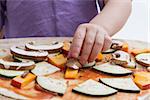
(88, 45)
(98, 45)
(107, 42)
(77, 42)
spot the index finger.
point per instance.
(77, 42)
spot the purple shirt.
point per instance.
(30, 18)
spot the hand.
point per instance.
(88, 41)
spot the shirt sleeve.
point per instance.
(2, 13)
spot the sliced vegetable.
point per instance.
(94, 88)
(73, 63)
(120, 58)
(12, 94)
(58, 60)
(108, 51)
(21, 81)
(143, 59)
(142, 83)
(20, 59)
(112, 69)
(142, 79)
(44, 68)
(139, 51)
(51, 84)
(125, 47)
(17, 65)
(99, 57)
(116, 44)
(10, 73)
(91, 64)
(71, 73)
(107, 58)
(32, 55)
(53, 54)
(130, 64)
(121, 84)
(66, 47)
(142, 74)
(53, 47)
(123, 58)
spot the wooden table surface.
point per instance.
(6, 43)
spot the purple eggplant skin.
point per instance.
(93, 95)
(112, 74)
(120, 90)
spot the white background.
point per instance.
(137, 26)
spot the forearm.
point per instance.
(113, 16)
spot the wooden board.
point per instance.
(84, 74)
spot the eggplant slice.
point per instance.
(91, 64)
(120, 57)
(53, 47)
(94, 88)
(10, 73)
(17, 65)
(31, 55)
(73, 63)
(44, 68)
(116, 44)
(123, 59)
(108, 51)
(52, 85)
(112, 69)
(143, 59)
(121, 84)
(20, 59)
(12, 94)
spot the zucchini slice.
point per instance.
(112, 69)
(10, 73)
(121, 84)
(51, 84)
(12, 94)
(94, 88)
(44, 68)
